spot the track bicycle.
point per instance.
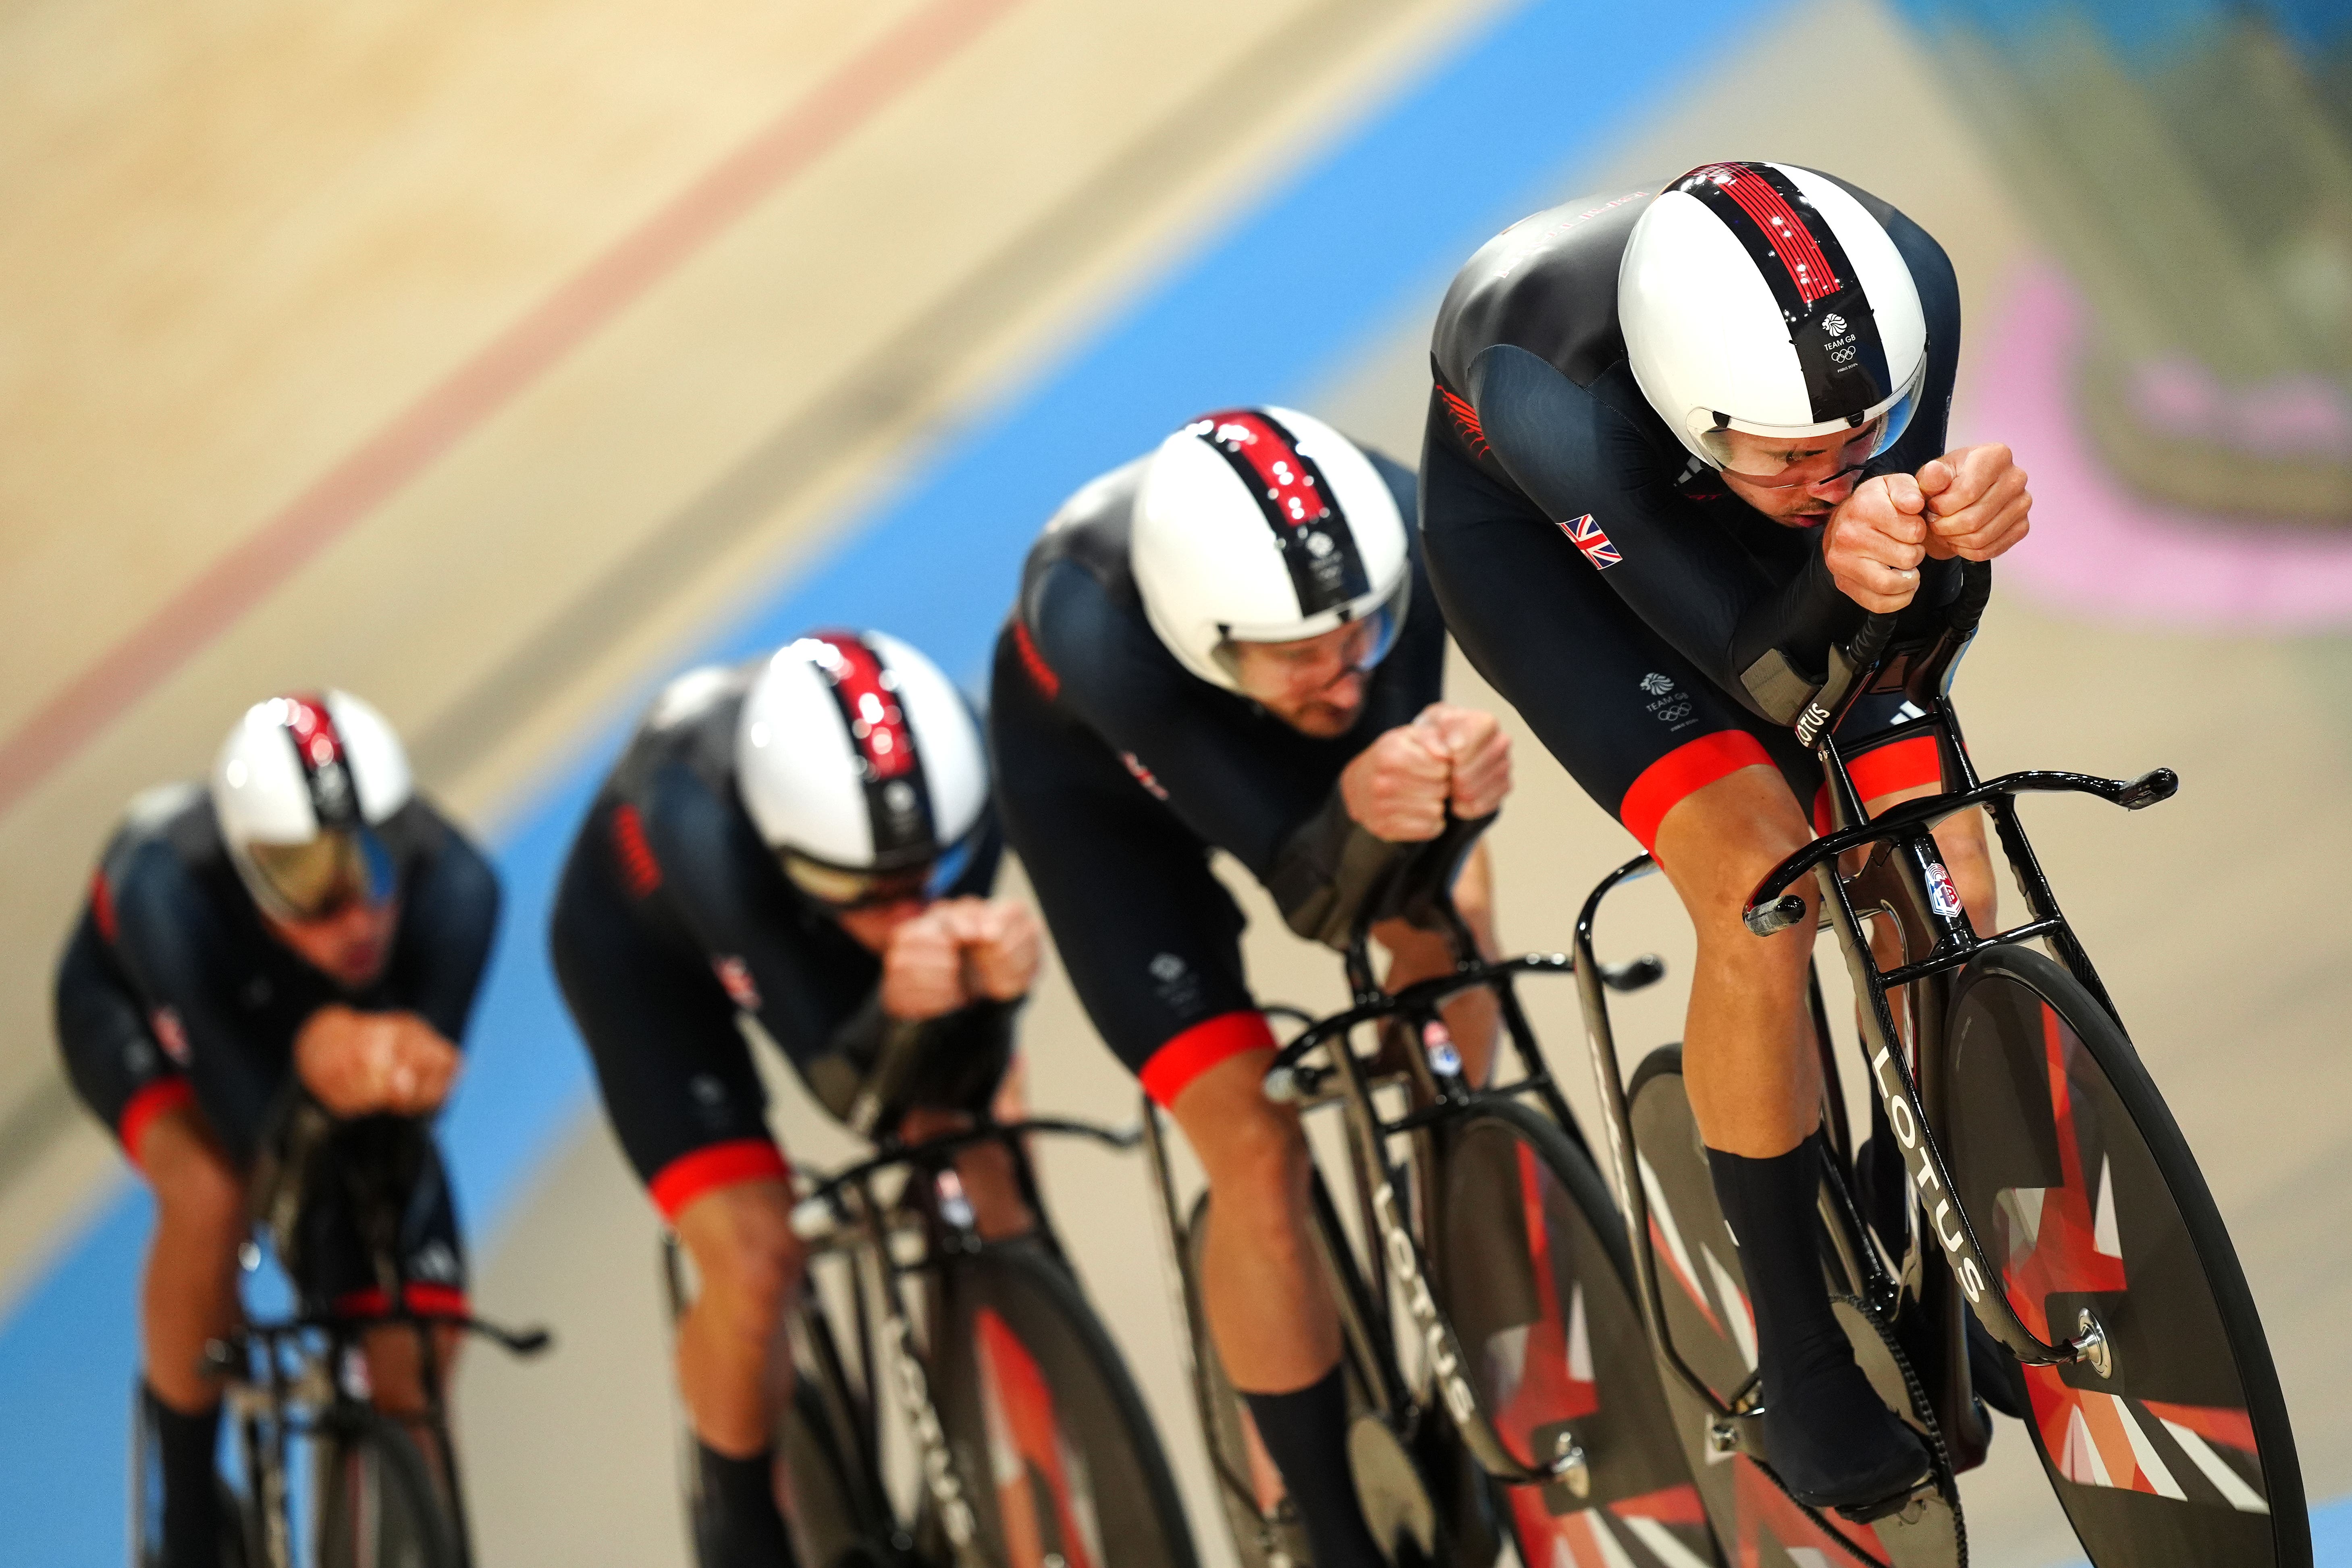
(1032, 1446)
(386, 1489)
(1498, 1375)
(2015, 1133)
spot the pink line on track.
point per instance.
(388, 460)
(2099, 548)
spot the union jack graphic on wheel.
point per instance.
(1588, 537)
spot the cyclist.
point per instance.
(798, 850)
(1230, 645)
(308, 925)
(1682, 438)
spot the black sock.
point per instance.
(1831, 1438)
(1306, 1436)
(741, 1526)
(186, 1451)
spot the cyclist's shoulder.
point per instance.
(165, 851)
(1547, 284)
(1089, 532)
(685, 740)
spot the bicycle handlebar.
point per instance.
(1771, 909)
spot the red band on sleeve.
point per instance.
(1683, 772)
(726, 1165)
(164, 1094)
(1883, 770)
(1176, 1064)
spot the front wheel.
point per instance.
(1533, 1271)
(2086, 1199)
(1049, 1433)
(379, 1506)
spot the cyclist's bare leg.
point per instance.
(1260, 1249)
(1754, 1086)
(1471, 1018)
(190, 1293)
(986, 1170)
(1748, 1044)
(730, 1341)
(395, 1366)
(1268, 1301)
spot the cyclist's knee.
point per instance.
(1717, 842)
(743, 1247)
(199, 1193)
(1258, 1180)
(1961, 841)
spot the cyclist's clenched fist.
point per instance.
(956, 953)
(1876, 539)
(357, 1064)
(1397, 789)
(1977, 504)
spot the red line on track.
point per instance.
(381, 466)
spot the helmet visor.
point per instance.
(322, 876)
(843, 887)
(1281, 668)
(1769, 457)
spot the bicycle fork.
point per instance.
(1408, 1270)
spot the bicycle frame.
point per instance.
(1397, 1263)
(846, 1216)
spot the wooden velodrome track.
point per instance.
(480, 358)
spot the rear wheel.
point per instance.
(2085, 1197)
(379, 1506)
(1533, 1271)
(1047, 1428)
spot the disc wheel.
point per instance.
(1049, 1433)
(1711, 1324)
(1534, 1273)
(378, 1504)
(2085, 1199)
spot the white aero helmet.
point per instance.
(301, 788)
(862, 767)
(1765, 298)
(1265, 525)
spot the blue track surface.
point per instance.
(1392, 205)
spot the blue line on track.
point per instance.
(1265, 310)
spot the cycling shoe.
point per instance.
(1834, 1444)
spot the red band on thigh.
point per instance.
(1201, 1048)
(728, 1164)
(1882, 770)
(1683, 772)
(164, 1094)
(429, 1301)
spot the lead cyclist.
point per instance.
(1682, 437)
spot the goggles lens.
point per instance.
(1765, 458)
(1308, 665)
(839, 888)
(325, 875)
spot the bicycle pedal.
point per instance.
(1908, 1506)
